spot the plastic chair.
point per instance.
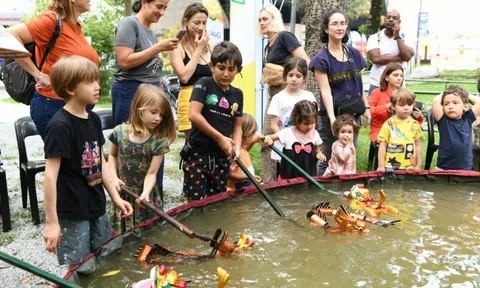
(106, 117)
(372, 157)
(5, 207)
(24, 127)
(432, 147)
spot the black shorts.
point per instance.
(204, 175)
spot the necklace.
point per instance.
(193, 50)
(270, 41)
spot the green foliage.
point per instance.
(100, 26)
(171, 32)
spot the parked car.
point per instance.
(171, 86)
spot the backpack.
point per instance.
(18, 83)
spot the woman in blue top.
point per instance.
(333, 67)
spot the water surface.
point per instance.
(437, 243)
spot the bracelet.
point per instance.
(367, 107)
(42, 78)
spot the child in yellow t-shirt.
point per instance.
(236, 178)
(400, 136)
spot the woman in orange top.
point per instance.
(379, 100)
(45, 103)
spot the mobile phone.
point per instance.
(418, 105)
(180, 34)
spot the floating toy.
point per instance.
(156, 254)
(345, 221)
(362, 200)
(316, 216)
(160, 277)
(223, 277)
(224, 248)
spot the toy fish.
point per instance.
(317, 216)
(362, 200)
(344, 220)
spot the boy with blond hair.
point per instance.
(455, 120)
(400, 138)
(76, 220)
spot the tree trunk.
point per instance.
(128, 7)
(313, 23)
(373, 24)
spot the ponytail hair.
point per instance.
(137, 5)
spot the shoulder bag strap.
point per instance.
(352, 68)
(51, 43)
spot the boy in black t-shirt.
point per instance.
(216, 114)
(76, 222)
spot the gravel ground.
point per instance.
(25, 240)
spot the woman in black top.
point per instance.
(190, 59)
(281, 45)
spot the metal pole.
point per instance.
(293, 16)
(37, 271)
(418, 33)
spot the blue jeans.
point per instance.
(122, 98)
(371, 88)
(42, 110)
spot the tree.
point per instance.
(313, 24)
(373, 24)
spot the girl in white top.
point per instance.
(295, 75)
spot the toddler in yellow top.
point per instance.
(236, 178)
(400, 136)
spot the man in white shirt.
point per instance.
(387, 46)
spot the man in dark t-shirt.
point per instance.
(216, 114)
(76, 222)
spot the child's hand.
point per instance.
(381, 169)
(417, 168)
(416, 113)
(226, 144)
(268, 141)
(144, 196)
(258, 178)
(51, 235)
(321, 156)
(118, 184)
(258, 138)
(123, 205)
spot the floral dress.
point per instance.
(134, 161)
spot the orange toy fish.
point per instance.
(362, 200)
(345, 221)
(223, 247)
(319, 212)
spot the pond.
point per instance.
(437, 242)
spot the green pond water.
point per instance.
(436, 244)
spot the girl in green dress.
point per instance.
(137, 152)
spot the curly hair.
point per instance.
(344, 120)
(304, 110)
(457, 91)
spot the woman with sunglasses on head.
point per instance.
(337, 69)
(281, 45)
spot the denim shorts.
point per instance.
(81, 237)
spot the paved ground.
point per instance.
(25, 241)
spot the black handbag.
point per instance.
(349, 104)
(18, 83)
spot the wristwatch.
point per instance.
(368, 107)
(398, 37)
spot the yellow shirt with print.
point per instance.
(400, 137)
